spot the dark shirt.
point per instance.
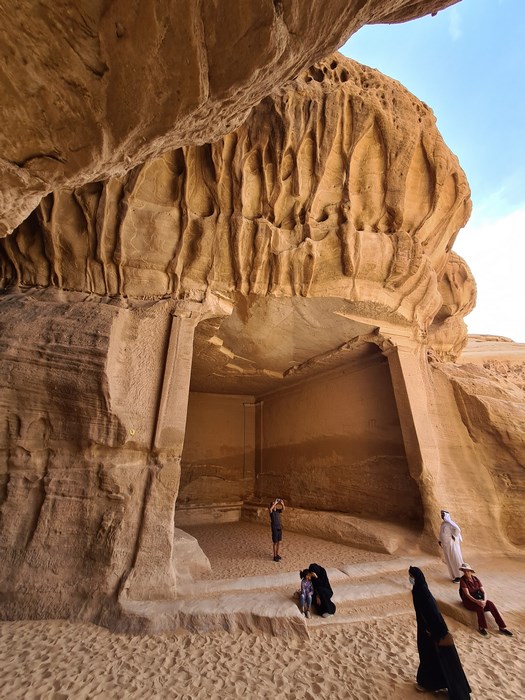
(471, 585)
(275, 519)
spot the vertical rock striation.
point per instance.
(339, 185)
(93, 88)
(326, 218)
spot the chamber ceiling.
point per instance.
(270, 342)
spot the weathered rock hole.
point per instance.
(317, 74)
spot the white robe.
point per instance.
(451, 548)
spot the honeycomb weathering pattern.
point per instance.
(338, 185)
(91, 89)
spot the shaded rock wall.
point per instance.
(84, 474)
(492, 409)
(93, 88)
(219, 450)
(331, 443)
(334, 443)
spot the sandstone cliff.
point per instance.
(339, 185)
(93, 88)
(295, 275)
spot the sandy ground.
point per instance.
(245, 549)
(377, 659)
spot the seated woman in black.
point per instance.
(322, 590)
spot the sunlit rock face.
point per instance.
(338, 186)
(92, 88)
(489, 384)
(281, 272)
(447, 335)
(253, 264)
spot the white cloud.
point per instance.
(494, 249)
(454, 24)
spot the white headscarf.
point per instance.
(448, 519)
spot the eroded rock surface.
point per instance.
(489, 385)
(74, 473)
(340, 185)
(91, 89)
(296, 274)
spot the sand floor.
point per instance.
(245, 549)
(376, 659)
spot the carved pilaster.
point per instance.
(153, 573)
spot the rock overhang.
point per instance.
(338, 186)
(80, 79)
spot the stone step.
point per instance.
(266, 603)
(362, 592)
(391, 568)
(363, 611)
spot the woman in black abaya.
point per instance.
(439, 664)
(322, 590)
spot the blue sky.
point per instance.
(468, 64)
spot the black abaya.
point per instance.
(322, 590)
(439, 663)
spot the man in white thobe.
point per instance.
(450, 541)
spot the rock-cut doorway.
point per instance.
(290, 397)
